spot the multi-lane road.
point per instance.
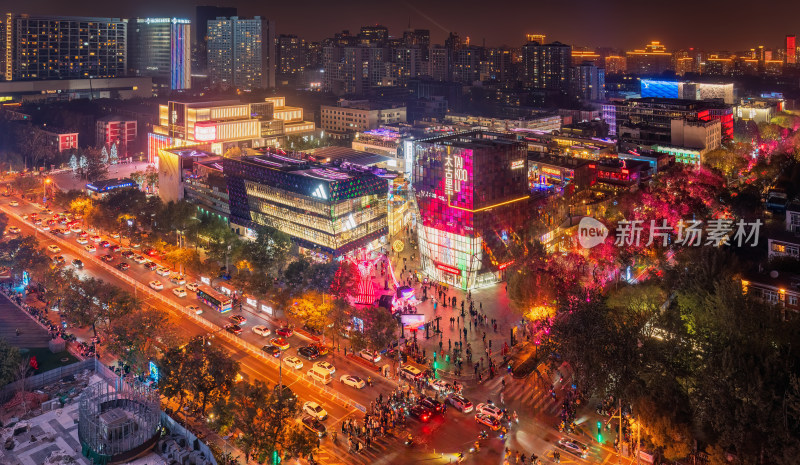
(437, 440)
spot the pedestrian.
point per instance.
(17, 331)
(449, 345)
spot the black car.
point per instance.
(122, 266)
(431, 404)
(420, 413)
(282, 392)
(272, 350)
(77, 263)
(308, 353)
(232, 328)
(314, 425)
(107, 258)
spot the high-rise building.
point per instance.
(241, 52)
(791, 50)
(538, 38)
(654, 59)
(466, 64)
(580, 56)
(374, 35)
(63, 47)
(616, 64)
(589, 81)
(498, 66)
(472, 193)
(161, 48)
(546, 66)
(291, 57)
(351, 116)
(204, 14)
(353, 69)
(116, 131)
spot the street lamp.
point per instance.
(45, 182)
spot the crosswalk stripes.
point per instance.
(338, 453)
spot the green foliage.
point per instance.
(269, 250)
(9, 362)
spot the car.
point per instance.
(96, 239)
(13, 230)
(410, 372)
(321, 348)
(440, 385)
(51, 222)
(140, 259)
(150, 251)
(107, 258)
(308, 353)
(192, 286)
(150, 266)
(284, 331)
(76, 229)
(261, 330)
(59, 259)
(353, 381)
(90, 248)
(37, 222)
(314, 425)
(163, 271)
(45, 227)
(370, 356)
(488, 420)
(272, 350)
(293, 362)
(326, 366)
(156, 285)
(83, 234)
(490, 409)
(574, 447)
(194, 308)
(122, 266)
(312, 331)
(105, 244)
(283, 393)
(179, 291)
(135, 245)
(128, 254)
(460, 403)
(114, 235)
(81, 240)
(232, 328)
(57, 231)
(315, 410)
(177, 278)
(13, 203)
(238, 319)
(77, 263)
(420, 413)
(114, 248)
(431, 404)
(279, 342)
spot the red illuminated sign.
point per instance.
(448, 269)
(506, 265)
(205, 133)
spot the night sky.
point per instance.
(705, 24)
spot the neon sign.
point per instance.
(448, 269)
(205, 133)
(552, 171)
(454, 174)
(517, 164)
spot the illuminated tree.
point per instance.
(312, 308)
(345, 281)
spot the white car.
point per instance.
(96, 238)
(163, 271)
(76, 229)
(315, 410)
(440, 385)
(192, 286)
(81, 240)
(373, 357)
(139, 259)
(194, 308)
(13, 230)
(179, 291)
(261, 330)
(156, 285)
(293, 362)
(14, 203)
(353, 381)
(491, 410)
(90, 248)
(326, 366)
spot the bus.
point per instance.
(216, 300)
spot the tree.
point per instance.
(136, 337)
(312, 308)
(345, 281)
(23, 184)
(83, 302)
(270, 248)
(22, 254)
(320, 276)
(339, 317)
(93, 167)
(295, 275)
(380, 327)
(10, 359)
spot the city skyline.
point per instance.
(625, 26)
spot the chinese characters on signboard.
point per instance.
(454, 174)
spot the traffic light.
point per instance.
(276, 457)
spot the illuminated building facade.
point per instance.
(687, 90)
(791, 50)
(472, 194)
(654, 59)
(225, 124)
(63, 47)
(116, 131)
(616, 64)
(351, 116)
(161, 48)
(562, 174)
(325, 209)
(546, 66)
(658, 113)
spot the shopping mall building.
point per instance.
(472, 193)
(328, 210)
